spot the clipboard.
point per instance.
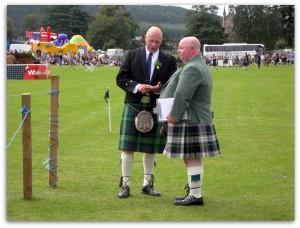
(163, 108)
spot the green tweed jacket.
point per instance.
(191, 87)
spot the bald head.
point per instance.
(154, 31)
(189, 47)
(191, 41)
(153, 39)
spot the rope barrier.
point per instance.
(26, 111)
(51, 161)
(23, 110)
(50, 92)
(54, 136)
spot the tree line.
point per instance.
(110, 26)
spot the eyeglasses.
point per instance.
(190, 46)
(180, 48)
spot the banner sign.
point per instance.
(37, 71)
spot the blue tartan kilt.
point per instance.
(186, 140)
(133, 140)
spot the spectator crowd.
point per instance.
(276, 57)
(92, 58)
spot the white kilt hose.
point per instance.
(186, 140)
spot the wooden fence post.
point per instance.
(53, 131)
(27, 149)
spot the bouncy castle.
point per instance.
(42, 36)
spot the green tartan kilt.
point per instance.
(133, 140)
(186, 140)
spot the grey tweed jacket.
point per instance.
(191, 87)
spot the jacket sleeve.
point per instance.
(123, 79)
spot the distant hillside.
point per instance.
(170, 18)
(157, 14)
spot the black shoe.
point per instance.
(187, 193)
(180, 197)
(125, 192)
(148, 190)
(190, 200)
(125, 189)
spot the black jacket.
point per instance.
(133, 72)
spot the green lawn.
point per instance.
(252, 180)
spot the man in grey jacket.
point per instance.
(192, 139)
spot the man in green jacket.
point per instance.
(194, 138)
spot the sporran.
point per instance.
(144, 121)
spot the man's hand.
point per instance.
(145, 88)
(170, 119)
(157, 88)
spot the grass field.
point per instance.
(252, 180)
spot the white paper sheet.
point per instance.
(163, 109)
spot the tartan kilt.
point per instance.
(133, 140)
(186, 140)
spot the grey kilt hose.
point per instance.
(133, 140)
(186, 140)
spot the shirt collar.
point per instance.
(155, 54)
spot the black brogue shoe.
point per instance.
(149, 190)
(124, 192)
(190, 200)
